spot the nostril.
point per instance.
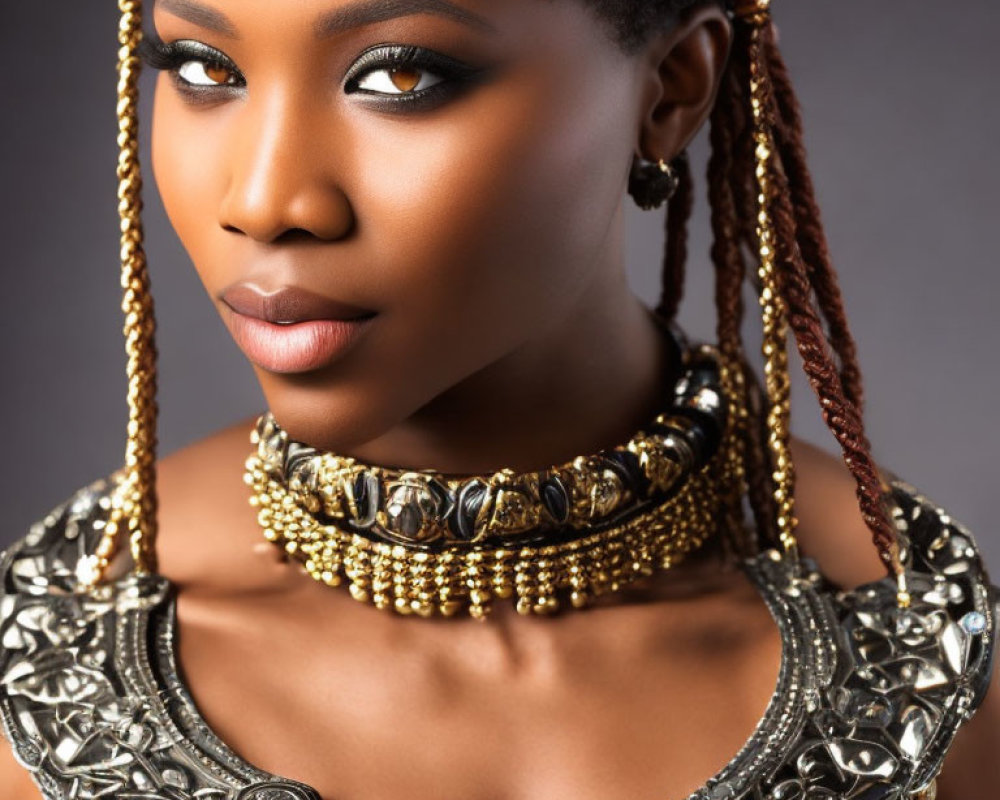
(286, 236)
(295, 235)
(283, 214)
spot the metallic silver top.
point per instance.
(868, 698)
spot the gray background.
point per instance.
(901, 122)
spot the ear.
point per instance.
(680, 73)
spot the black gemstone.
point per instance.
(622, 466)
(637, 475)
(556, 499)
(471, 498)
(703, 436)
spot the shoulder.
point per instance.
(208, 534)
(221, 452)
(200, 490)
(201, 486)
(831, 529)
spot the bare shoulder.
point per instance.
(15, 779)
(186, 473)
(831, 528)
(207, 530)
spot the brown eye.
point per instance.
(201, 73)
(405, 79)
(219, 74)
(398, 80)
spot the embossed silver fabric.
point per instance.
(867, 702)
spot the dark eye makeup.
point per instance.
(173, 56)
(452, 76)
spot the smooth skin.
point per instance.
(485, 228)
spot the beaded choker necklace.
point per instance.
(420, 542)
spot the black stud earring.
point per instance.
(652, 183)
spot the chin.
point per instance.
(338, 416)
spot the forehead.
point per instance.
(328, 17)
(307, 28)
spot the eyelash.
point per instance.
(453, 75)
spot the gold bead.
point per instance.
(402, 606)
(504, 590)
(425, 610)
(358, 592)
(450, 607)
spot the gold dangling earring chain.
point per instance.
(134, 500)
(773, 309)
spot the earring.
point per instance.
(652, 183)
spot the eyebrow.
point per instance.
(366, 12)
(354, 15)
(202, 16)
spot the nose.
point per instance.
(281, 181)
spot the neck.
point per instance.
(595, 378)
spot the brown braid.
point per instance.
(839, 413)
(811, 237)
(676, 248)
(808, 282)
(730, 265)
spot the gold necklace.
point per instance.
(419, 542)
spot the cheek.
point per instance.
(187, 149)
(503, 204)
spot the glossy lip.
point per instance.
(291, 330)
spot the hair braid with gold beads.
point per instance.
(134, 500)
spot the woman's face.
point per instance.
(384, 197)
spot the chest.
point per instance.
(358, 721)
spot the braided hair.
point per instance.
(807, 281)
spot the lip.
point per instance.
(291, 330)
(288, 305)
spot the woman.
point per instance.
(454, 300)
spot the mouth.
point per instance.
(291, 330)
